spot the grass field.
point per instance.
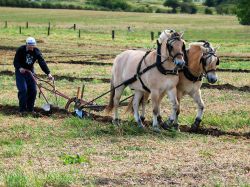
(62, 150)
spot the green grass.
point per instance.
(222, 30)
(16, 178)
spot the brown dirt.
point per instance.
(61, 113)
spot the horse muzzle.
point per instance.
(212, 78)
(178, 62)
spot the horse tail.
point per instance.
(110, 106)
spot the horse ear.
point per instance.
(217, 47)
(181, 33)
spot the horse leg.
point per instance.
(156, 109)
(172, 94)
(144, 101)
(197, 98)
(136, 101)
(116, 99)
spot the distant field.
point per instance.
(61, 150)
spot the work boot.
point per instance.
(23, 114)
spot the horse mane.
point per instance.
(165, 35)
(202, 43)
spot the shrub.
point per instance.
(208, 11)
(243, 12)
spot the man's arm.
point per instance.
(42, 62)
(17, 57)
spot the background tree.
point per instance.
(174, 4)
(243, 12)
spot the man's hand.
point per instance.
(22, 70)
(50, 77)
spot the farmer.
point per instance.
(24, 60)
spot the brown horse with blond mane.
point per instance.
(201, 61)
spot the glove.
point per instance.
(50, 77)
(22, 70)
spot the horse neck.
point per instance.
(194, 57)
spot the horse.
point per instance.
(152, 72)
(201, 61)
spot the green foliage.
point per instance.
(16, 178)
(59, 179)
(210, 3)
(226, 9)
(208, 11)
(174, 4)
(69, 159)
(32, 4)
(243, 12)
(185, 6)
(189, 8)
(111, 4)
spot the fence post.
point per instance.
(113, 34)
(152, 36)
(20, 30)
(79, 34)
(74, 27)
(27, 25)
(49, 29)
(6, 24)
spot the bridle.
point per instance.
(206, 56)
(170, 43)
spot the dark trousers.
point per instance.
(26, 91)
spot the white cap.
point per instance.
(30, 41)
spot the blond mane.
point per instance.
(198, 44)
(165, 35)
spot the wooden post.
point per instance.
(74, 27)
(83, 86)
(79, 34)
(49, 29)
(6, 24)
(20, 30)
(78, 93)
(27, 25)
(152, 36)
(113, 34)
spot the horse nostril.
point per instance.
(212, 80)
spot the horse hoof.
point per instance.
(166, 126)
(142, 118)
(194, 128)
(141, 126)
(176, 127)
(116, 122)
(156, 129)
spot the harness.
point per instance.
(203, 61)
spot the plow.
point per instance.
(76, 104)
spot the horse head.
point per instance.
(209, 61)
(175, 46)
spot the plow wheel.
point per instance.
(73, 104)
